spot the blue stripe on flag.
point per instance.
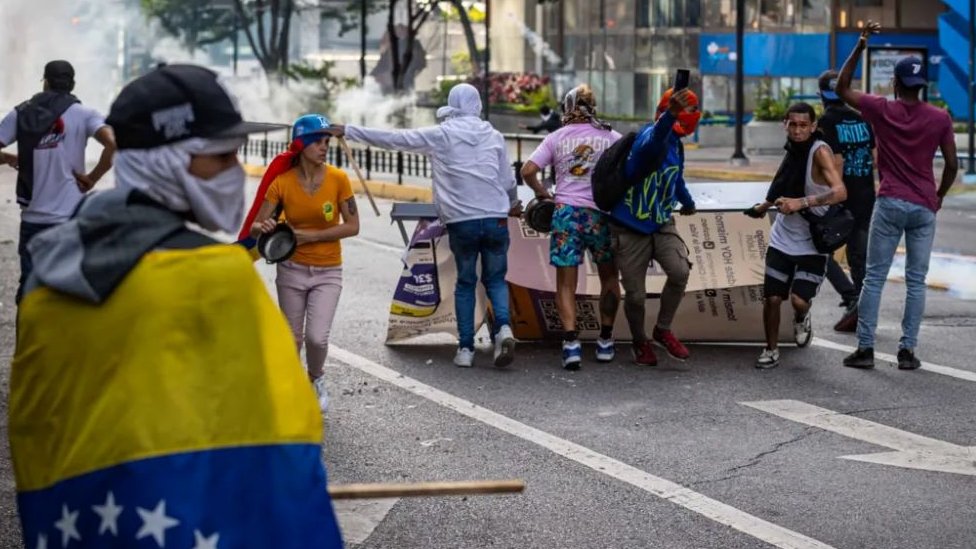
(256, 496)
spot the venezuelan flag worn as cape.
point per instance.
(167, 409)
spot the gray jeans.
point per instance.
(309, 296)
(633, 253)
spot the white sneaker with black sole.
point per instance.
(803, 330)
(769, 358)
(504, 346)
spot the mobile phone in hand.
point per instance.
(681, 79)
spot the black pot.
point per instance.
(277, 245)
(538, 214)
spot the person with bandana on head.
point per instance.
(578, 224)
(155, 387)
(317, 202)
(642, 228)
(474, 192)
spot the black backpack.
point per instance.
(609, 179)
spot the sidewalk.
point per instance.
(713, 163)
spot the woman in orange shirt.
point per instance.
(319, 205)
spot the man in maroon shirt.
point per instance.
(908, 132)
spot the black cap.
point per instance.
(59, 74)
(174, 103)
(828, 84)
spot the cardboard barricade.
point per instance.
(723, 299)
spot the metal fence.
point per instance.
(262, 148)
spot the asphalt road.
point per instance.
(627, 457)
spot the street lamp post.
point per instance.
(970, 176)
(362, 42)
(487, 84)
(739, 157)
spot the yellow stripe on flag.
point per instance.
(188, 353)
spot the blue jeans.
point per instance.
(487, 238)
(892, 218)
(27, 232)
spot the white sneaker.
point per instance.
(464, 358)
(803, 331)
(319, 385)
(769, 358)
(504, 346)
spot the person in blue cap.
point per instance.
(909, 131)
(852, 141)
(318, 203)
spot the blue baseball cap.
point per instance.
(828, 83)
(310, 128)
(911, 72)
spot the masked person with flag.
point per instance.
(313, 196)
(642, 228)
(474, 192)
(168, 402)
(807, 181)
(51, 130)
(577, 224)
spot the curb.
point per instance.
(379, 189)
(726, 174)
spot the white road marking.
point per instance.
(927, 366)
(359, 517)
(675, 493)
(911, 451)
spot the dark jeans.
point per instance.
(469, 240)
(857, 248)
(27, 232)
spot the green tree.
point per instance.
(418, 13)
(195, 23)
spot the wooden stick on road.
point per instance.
(359, 174)
(399, 490)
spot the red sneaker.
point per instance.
(644, 354)
(666, 339)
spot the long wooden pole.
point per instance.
(359, 174)
(399, 490)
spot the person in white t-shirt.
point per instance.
(577, 224)
(51, 130)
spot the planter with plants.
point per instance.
(764, 133)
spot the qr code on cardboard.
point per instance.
(529, 232)
(587, 315)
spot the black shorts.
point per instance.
(797, 274)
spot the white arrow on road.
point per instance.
(911, 451)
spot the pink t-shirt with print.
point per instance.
(573, 150)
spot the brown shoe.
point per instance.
(848, 322)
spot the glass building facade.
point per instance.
(628, 50)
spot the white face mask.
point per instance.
(218, 203)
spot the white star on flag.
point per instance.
(41, 542)
(155, 523)
(205, 543)
(110, 515)
(67, 526)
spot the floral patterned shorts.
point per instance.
(576, 229)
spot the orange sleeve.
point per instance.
(274, 191)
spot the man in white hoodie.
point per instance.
(474, 189)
